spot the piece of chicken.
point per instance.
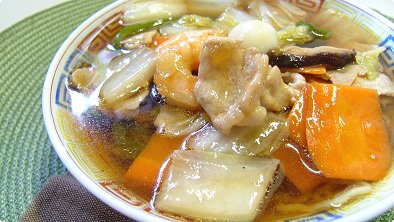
(236, 85)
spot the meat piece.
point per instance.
(236, 86)
(230, 83)
(382, 84)
(276, 94)
(315, 51)
(347, 75)
(293, 56)
(296, 82)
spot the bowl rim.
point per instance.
(128, 210)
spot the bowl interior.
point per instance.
(93, 35)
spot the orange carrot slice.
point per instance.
(317, 79)
(298, 167)
(345, 132)
(294, 159)
(158, 40)
(143, 173)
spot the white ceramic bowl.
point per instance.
(92, 34)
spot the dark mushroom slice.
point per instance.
(329, 57)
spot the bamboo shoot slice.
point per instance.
(215, 186)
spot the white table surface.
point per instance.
(12, 11)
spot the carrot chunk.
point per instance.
(298, 167)
(294, 159)
(143, 173)
(158, 41)
(345, 132)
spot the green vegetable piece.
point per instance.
(231, 17)
(301, 33)
(227, 20)
(370, 62)
(131, 30)
(316, 31)
(129, 140)
(195, 21)
(295, 34)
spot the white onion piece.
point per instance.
(170, 30)
(239, 15)
(174, 121)
(257, 34)
(291, 10)
(208, 7)
(242, 140)
(382, 84)
(140, 12)
(129, 73)
(233, 16)
(278, 13)
(209, 186)
(128, 109)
